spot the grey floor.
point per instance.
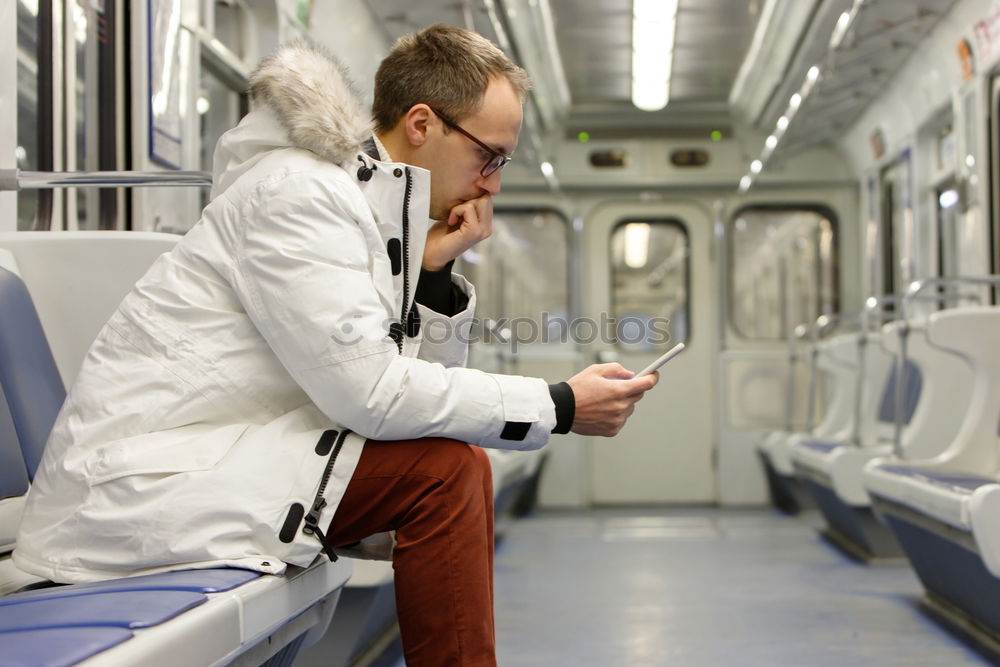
(703, 587)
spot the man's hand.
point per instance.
(468, 223)
(606, 395)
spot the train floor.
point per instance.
(702, 587)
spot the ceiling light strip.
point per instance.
(840, 31)
(654, 26)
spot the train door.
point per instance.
(649, 285)
(779, 274)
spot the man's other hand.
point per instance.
(606, 395)
(468, 223)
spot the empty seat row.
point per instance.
(944, 507)
(921, 404)
(836, 359)
(924, 479)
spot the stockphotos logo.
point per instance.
(519, 331)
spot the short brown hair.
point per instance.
(444, 67)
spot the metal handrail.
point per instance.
(15, 179)
(866, 317)
(912, 294)
(822, 325)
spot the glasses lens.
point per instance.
(495, 163)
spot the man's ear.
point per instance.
(417, 122)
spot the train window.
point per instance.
(650, 283)
(220, 107)
(28, 127)
(521, 278)
(897, 243)
(783, 269)
(949, 230)
(227, 26)
(92, 102)
(944, 154)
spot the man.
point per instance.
(266, 392)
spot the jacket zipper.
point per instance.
(319, 502)
(407, 193)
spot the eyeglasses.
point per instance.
(497, 159)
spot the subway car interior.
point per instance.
(806, 193)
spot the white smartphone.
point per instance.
(670, 354)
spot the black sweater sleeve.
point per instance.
(436, 291)
(565, 402)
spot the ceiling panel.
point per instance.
(595, 42)
(880, 41)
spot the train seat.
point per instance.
(943, 508)
(513, 472)
(185, 617)
(938, 386)
(938, 482)
(831, 471)
(836, 359)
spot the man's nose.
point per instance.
(491, 183)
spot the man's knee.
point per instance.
(467, 464)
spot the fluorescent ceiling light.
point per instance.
(636, 244)
(654, 24)
(840, 30)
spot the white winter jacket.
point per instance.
(223, 408)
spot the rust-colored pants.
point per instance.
(437, 494)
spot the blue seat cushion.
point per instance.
(824, 446)
(952, 478)
(122, 609)
(196, 581)
(913, 383)
(28, 373)
(57, 647)
(13, 471)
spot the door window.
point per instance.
(650, 284)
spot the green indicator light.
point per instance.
(583, 137)
(716, 135)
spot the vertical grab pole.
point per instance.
(790, 383)
(821, 323)
(870, 305)
(793, 356)
(901, 377)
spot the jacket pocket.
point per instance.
(178, 450)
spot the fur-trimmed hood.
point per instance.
(303, 97)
